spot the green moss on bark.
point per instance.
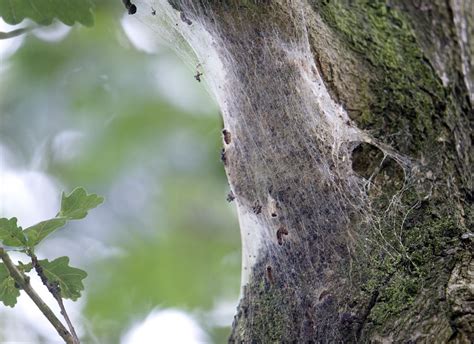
(400, 278)
(265, 302)
(408, 93)
(410, 110)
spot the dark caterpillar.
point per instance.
(132, 9)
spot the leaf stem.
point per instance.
(24, 283)
(66, 317)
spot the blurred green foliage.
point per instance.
(44, 11)
(180, 246)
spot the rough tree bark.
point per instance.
(348, 149)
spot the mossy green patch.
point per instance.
(266, 303)
(397, 296)
(409, 102)
(399, 277)
(408, 93)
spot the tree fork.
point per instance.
(350, 164)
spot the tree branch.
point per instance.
(23, 282)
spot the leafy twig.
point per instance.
(23, 282)
(61, 279)
(55, 290)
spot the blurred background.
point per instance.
(109, 109)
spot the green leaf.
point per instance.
(76, 205)
(44, 11)
(69, 278)
(10, 233)
(73, 207)
(41, 230)
(8, 291)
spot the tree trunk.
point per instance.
(348, 148)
